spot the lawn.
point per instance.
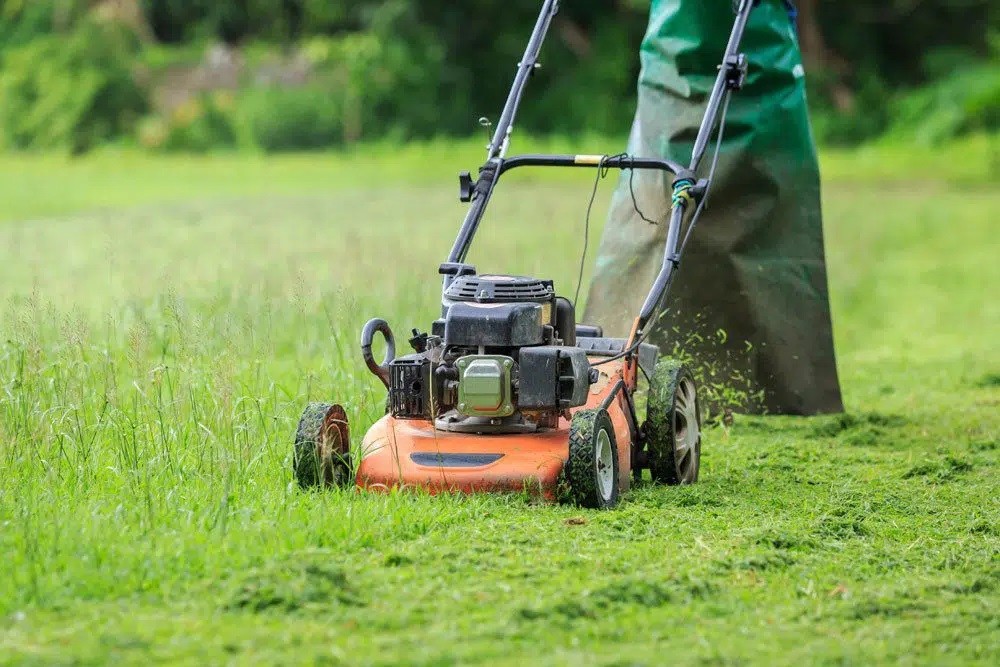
(166, 319)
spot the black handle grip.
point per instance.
(367, 337)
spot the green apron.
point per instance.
(750, 301)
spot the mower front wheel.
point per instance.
(322, 451)
(591, 471)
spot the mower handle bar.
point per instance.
(600, 161)
(480, 191)
(525, 68)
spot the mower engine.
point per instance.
(501, 359)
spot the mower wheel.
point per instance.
(673, 425)
(591, 471)
(322, 447)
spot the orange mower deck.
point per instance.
(400, 453)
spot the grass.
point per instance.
(47, 185)
(166, 319)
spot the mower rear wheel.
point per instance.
(673, 425)
(592, 467)
(322, 452)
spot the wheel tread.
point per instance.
(308, 467)
(580, 471)
(659, 426)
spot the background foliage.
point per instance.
(312, 73)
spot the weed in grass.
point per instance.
(939, 471)
(756, 561)
(850, 424)
(985, 445)
(397, 560)
(613, 596)
(784, 541)
(886, 607)
(984, 528)
(843, 526)
(989, 380)
(299, 582)
(984, 584)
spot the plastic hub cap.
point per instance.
(685, 429)
(605, 466)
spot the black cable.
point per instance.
(624, 353)
(602, 171)
(718, 140)
(610, 359)
(635, 204)
(634, 346)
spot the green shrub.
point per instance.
(867, 120)
(286, 119)
(70, 91)
(202, 124)
(362, 87)
(176, 21)
(963, 102)
(23, 20)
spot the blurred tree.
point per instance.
(860, 53)
(453, 62)
(70, 91)
(842, 42)
(819, 57)
(126, 12)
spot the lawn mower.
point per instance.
(507, 392)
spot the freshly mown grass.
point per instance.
(166, 321)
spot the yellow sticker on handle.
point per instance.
(588, 159)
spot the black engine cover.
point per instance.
(470, 324)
